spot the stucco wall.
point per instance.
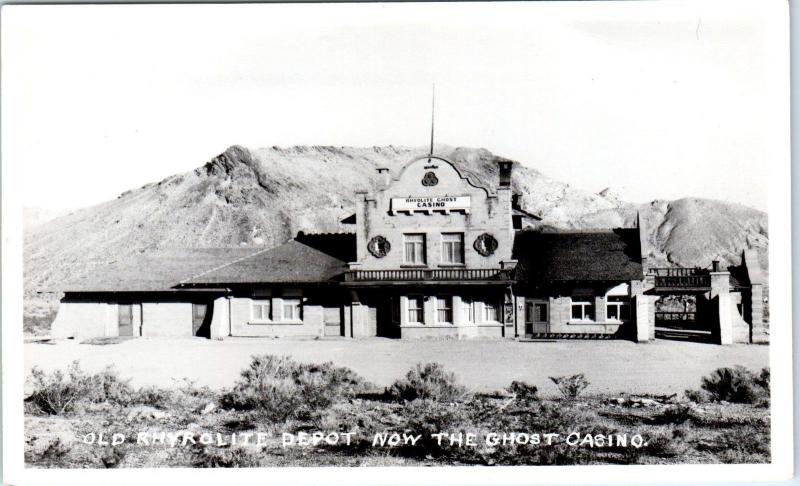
(166, 319)
(488, 214)
(83, 320)
(242, 323)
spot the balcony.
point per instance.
(430, 275)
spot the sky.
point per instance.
(657, 100)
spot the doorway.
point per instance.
(125, 319)
(201, 319)
(332, 317)
(537, 317)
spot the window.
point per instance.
(415, 309)
(261, 310)
(291, 310)
(468, 309)
(490, 312)
(539, 312)
(414, 247)
(453, 248)
(618, 308)
(444, 309)
(582, 311)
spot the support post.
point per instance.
(721, 296)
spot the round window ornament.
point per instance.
(379, 246)
(429, 179)
(485, 244)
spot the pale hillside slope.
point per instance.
(265, 196)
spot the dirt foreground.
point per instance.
(610, 366)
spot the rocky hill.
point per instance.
(265, 196)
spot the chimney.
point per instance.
(384, 171)
(715, 265)
(505, 172)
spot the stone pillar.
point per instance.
(220, 318)
(429, 309)
(458, 317)
(758, 332)
(519, 316)
(641, 311)
(599, 308)
(721, 295)
(359, 320)
(361, 225)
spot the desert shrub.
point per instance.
(674, 414)
(57, 393)
(698, 396)
(522, 390)
(281, 388)
(738, 446)
(737, 384)
(570, 386)
(227, 457)
(427, 381)
(153, 396)
(425, 417)
(107, 386)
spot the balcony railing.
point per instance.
(689, 281)
(428, 275)
(682, 278)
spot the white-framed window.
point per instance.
(468, 309)
(415, 311)
(453, 248)
(414, 249)
(582, 310)
(444, 309)
(491, 312)
(618, 308)
(292, 309)
(261, 310)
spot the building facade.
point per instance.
(435, 253)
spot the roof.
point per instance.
(339, 245)
(291, 262)
(524, 214)
(159, 270)
(551, 257)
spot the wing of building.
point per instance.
(434, 253)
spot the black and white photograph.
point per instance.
(396, 242)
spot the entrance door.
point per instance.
(201, 320)
(537, 317)
(125, 319)
(332, 316)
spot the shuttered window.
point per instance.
(490, 312)
(444, 310)
(414, 249)
(262, 310)
(453, 248)
(292, 310)
(415, 309)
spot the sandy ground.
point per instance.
(610, 366)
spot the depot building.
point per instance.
(434, 253)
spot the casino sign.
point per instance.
(445, 204)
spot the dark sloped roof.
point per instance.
(337, 245)
(291, 262)
(159, 270)
(550, 257)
